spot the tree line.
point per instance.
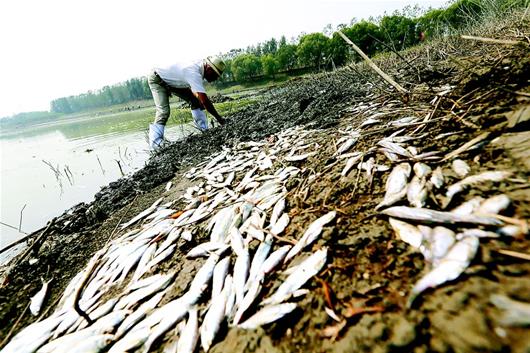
(314, 51)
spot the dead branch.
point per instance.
(492, 40)
(373, 65)
(20, 221)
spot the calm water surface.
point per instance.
(47, 169)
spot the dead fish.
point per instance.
(277, 211)
(494, 205)
(421, 170)
(347, 145)
(131, 341)
(219, 274)
(280, 225)
(311, 234)
(299, 157)
(257, 261)
(432, 216)
(251, 295)
(417, 192)
(460, 168)
(515, 313)
(138, 314)
(267, 315)
(490, 176)
(143, 214)
(168, 185)
(205, 249)
(275, 259)
(478, 233)
(213, 319)
(468, 207)
(236, 241)
(190, 334)
(350, 163)
(408, 233)
(442, 239)
(241, 268)
(38, 299)
(202, 278)
(394, 148)
(449, 268)
(396, 185)
(92, 344)
(307, 269)
(437, 178)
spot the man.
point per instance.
(185, 81)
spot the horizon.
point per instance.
(89, 53)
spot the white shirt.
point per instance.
(183, 75)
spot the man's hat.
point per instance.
(217, 64)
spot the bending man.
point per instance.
(185, 81)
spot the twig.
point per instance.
(10, 226)
(90, 269)
(119, 166)
(119, 222)
(20, 222)
(6, 339)
(102, 170)
(35, 244)
(515, 254)
(492, 40)
(373, 65)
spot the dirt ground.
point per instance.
(369, 272)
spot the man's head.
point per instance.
(213, 69)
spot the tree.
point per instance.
(270, 65)
(286, 57)
(398, 31)
(312, 49)
(246, 66)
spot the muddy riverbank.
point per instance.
(460, 90)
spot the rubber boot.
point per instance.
(199, 116)
(156, 135)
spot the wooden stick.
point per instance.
(516, 254)
(492, 40)
(373, 65)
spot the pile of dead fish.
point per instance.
(447, 237)
(238, 204)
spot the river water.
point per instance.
(49, 168)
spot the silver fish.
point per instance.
(441, 242)
(417, 192)
(437, 178)
(138, 315)
(143, 214)
(495, 204)
(267, 315)
(274, 259)
(146, 257)
(205, 249)
(307, 269)
(460, 168)
(253, 292)
(202, 278)
(299, 157)
(311, 234)
(38, 299)
(213, 319)
(259, 257)
(491, 176)
(282, 223)
(468, 207)
(241, 269)
(219, 275)
(277, 210)
(171, 314)
(421, 170)
(131, 341)
(396, 185)
(449, 268)
(91, 344)
(189, 336)
(347, 145)
(236, 241)
(432, 216)
(408, 233)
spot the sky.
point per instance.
(56, 48)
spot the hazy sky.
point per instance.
(55, 48)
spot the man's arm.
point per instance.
(208, 105)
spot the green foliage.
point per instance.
(246, 66)
(286, 56)
(398, 31)
(270, 65)
(312, 49)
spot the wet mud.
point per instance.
(370, 271)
